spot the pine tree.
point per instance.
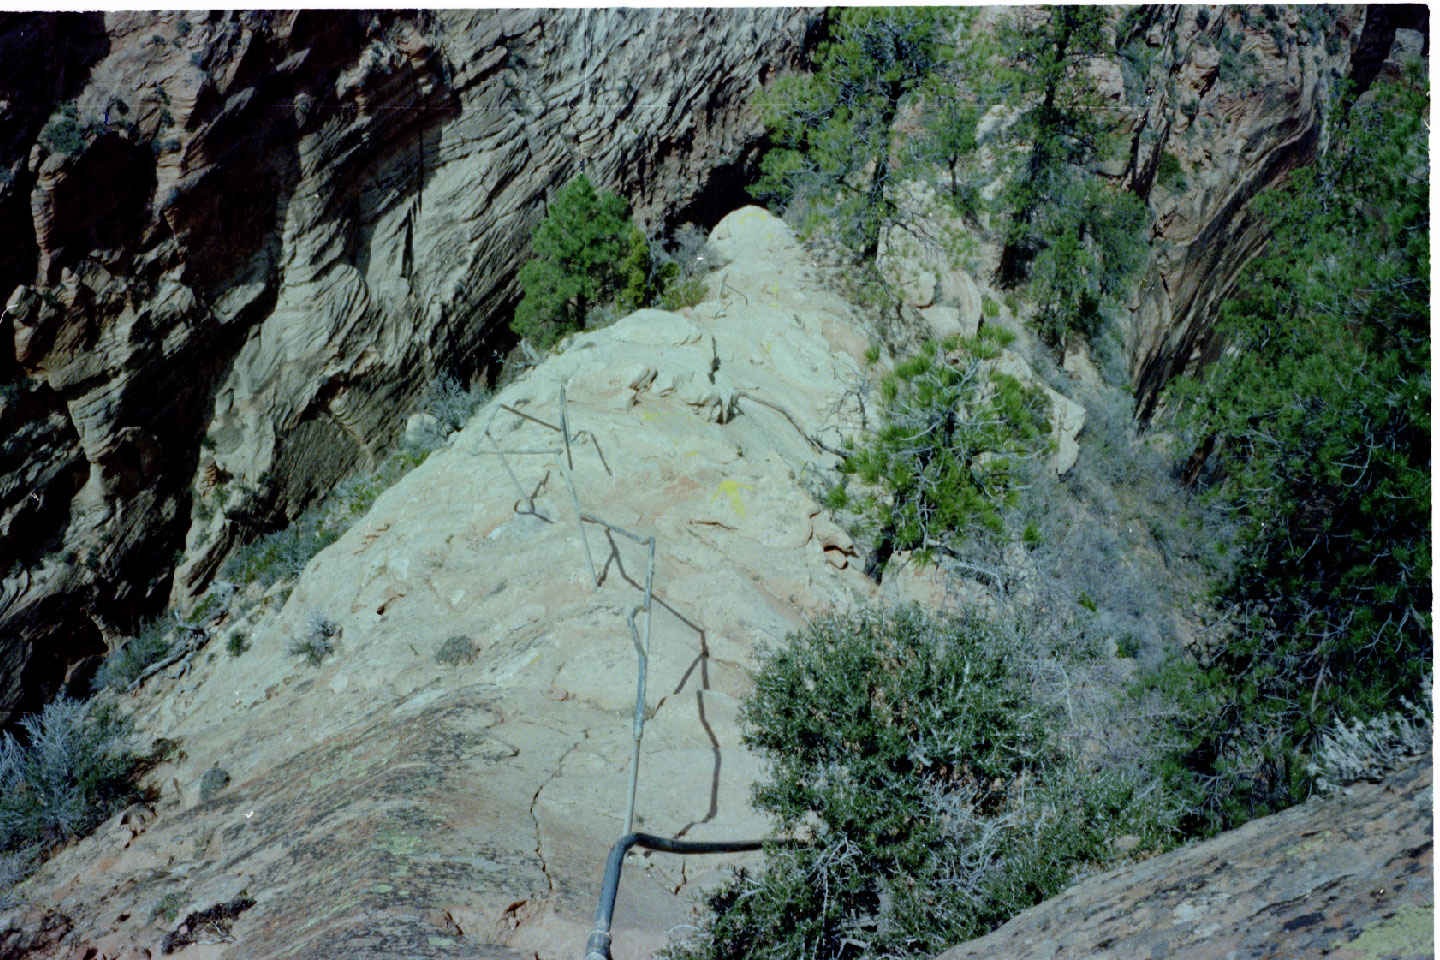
(1319, 418)
(1078, 240)
(585, 253)
(834, 144)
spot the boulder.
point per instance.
(1067, 418)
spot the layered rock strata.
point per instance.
(1224, 101)
(239, 244)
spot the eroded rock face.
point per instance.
(1235, 96)
(239, 244)
(1349, 876)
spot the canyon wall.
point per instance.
(238, 245)
(1236, 97)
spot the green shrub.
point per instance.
(942, 460)
(237, 643)
(457, 650)
(64, 134)
(683, 293)
(168, 907)
(71, 772)
(124, 666)
(1236, 68)
(312, 649)
(1169, 173)
(211, 606)
(1317, 425)
(585, 253)
(939, 799)
(282, 554)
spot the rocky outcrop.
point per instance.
(388, 804)
(1224, 102)
(1350, 877)
(238, 244)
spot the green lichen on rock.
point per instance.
(1409, 932)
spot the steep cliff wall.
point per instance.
(238, 244)
(1235, 96)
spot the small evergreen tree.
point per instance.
(585, 253)
(950, 139)
(834, 145)
(943, 460)
(1080, 241)
(1093, 247)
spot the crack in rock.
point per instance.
(535, 799)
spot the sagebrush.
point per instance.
(68, 771)
(936, 792)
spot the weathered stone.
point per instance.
(1346, 876)
(274, 228)
(950, 321)
(1245, 135)
(1067, 418)
(1078, 364)
(375, 792)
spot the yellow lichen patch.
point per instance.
(1410, 932)
(1306, 846)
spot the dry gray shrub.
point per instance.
(316, 640)
(1370, 749)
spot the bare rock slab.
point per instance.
(1347, 877)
